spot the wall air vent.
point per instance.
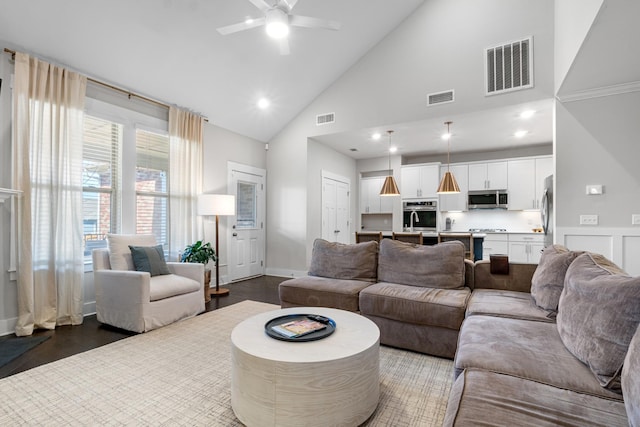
(323, 119)
(440, 98)
(509, 66)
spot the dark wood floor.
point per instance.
(68, 340)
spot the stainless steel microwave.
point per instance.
(488, 199)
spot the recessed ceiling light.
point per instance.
(393, 149)
(376, 136)
(248, 21)
(263, 103)
(527, 114)
(520, 133)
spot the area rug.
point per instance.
(12, 347)
(180, 375)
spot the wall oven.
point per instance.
(421, 214)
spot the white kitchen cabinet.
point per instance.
(494, 244)
(370, 200)
(419, 181)
(455, 201)
(488, 176)
(525, 248)
(526, 179)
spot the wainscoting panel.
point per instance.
(620, 245)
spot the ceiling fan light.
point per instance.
(277, 24)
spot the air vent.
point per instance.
(324, 119)
(509, 66)
(440, 98)
(353, 149)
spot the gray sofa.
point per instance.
(417, 295)
(553, 356)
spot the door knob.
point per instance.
(235, 234)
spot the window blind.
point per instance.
(152, 179)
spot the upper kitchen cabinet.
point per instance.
(370, 200)
(455, 201)
(488, 176)
(419, 181)
(526, 179)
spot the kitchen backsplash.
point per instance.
(512, 221)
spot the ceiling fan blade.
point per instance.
(261, 4)
(309, 22)
(241, 26)
(284, 47)
(289, 3)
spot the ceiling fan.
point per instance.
(277, 19)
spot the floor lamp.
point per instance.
(217, 204)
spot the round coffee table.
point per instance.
(332, 381)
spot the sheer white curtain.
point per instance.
(185, 179)
(48, 104)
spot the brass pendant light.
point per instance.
(448, 184)
(389, 188)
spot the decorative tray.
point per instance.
(300, 327)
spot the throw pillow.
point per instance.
(548, 279)
(119, 252)
(598, 313)
(343, 261)
(149, 259)
(438, 266)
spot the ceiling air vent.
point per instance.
(323, 119)
(440, 98)
(509, 66)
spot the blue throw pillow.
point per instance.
(149, 259)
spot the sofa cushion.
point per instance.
(496, 302)
(548, 279)
(415, 305)
(119, 252)
(526, 349)
(341, 261)
(313, 291)
(631, 380)
(598, 314)
(481, 397)
(170, 285)
(518, 279)
(149, 259)
(437, 266)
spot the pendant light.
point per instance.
(448, 185)
(389, 188)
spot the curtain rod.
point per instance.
(115, 88)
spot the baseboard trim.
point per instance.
(283, 272)
(8, 326)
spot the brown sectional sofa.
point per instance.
(540, 345)
(518, 364)
(417, 295)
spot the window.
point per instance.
(125, 173)
(100, 181)
(152, 195)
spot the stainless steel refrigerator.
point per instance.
(546, 213)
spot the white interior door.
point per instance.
(246, 228)
(335, 208)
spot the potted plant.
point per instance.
(202, 253)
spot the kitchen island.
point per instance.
(434, 237)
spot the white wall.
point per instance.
(389, 85)
(573, 20)
(321, 158)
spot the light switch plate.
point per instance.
(593, 190)
(635, 219)
(588, 219)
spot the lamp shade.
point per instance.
(389, 188)
(216, 204)
(448, 184)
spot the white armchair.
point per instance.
(135, 301)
